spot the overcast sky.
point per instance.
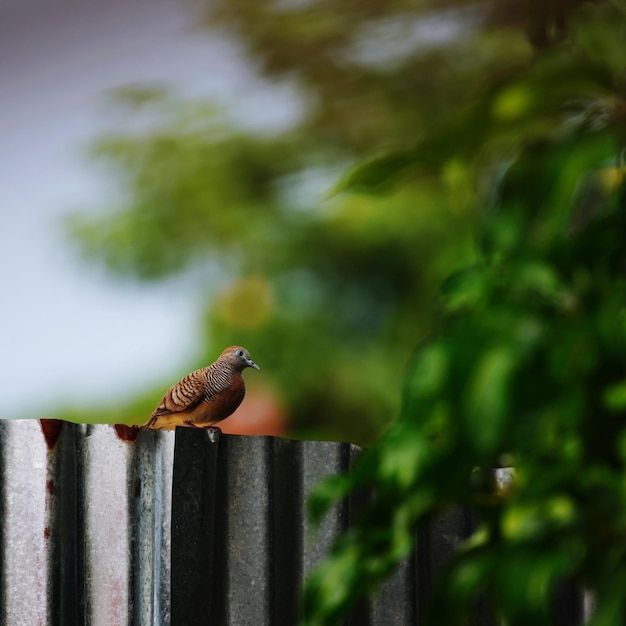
(67, 333)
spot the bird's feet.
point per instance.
(214, 430)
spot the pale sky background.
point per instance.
(67, 334)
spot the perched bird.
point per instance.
(205, 396)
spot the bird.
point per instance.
(205, 396)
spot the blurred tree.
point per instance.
(528, 359)
(500, 133)
(329, 294)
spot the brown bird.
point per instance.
(206, 396)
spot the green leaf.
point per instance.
(379, 175)
(487, 399)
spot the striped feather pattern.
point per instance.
(205, 396)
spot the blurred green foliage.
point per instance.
(528, 359)
(491, 142)
(329, 293)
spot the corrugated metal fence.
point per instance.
(183, 528)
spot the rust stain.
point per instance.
(51, 429)
(47, 532)
(118, 603)
(126, 433)
(50, 486)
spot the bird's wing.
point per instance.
(183, 396)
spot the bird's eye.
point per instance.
(239, 352)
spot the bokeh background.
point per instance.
(167, 173)
(76, 339)
(412, 215)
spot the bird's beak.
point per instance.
(251, 363)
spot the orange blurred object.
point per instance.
(258, 414)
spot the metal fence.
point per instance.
(100, 527)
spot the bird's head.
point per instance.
(239, 358)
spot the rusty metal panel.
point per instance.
(40, 578)
(112, 526)
(107, 463)
(26, 598)
(151, 505)
(126, 510)
(241, 542)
